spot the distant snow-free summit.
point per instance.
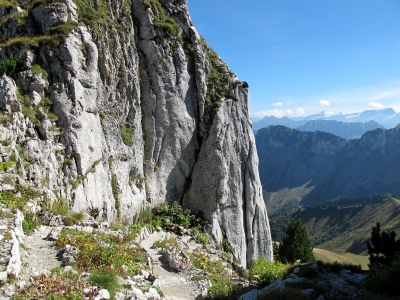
(387, 118)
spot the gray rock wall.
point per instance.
(135, 120)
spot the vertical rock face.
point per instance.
(142, 112)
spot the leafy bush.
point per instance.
(266, 271)
(175, 214)
(11, 65)
(221, 286)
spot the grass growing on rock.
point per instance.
(106, 279)
(103, 252)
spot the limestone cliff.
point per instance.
(116, 105)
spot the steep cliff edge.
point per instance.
(119, 105)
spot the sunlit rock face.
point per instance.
(141, 111)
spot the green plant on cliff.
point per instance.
(161, 20)
(11, 65)
(126, 135)
(175, 214)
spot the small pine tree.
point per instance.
(382, 247)
(295, 245)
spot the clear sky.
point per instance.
(306, 56)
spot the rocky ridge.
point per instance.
(323, 166)
(115, 106)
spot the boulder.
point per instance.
(177, 259)
(69, 254)
(51, 15)
(103, 294)
(8, 96)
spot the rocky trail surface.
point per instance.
(174, 285)
(38, 254)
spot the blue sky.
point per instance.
(308, 56)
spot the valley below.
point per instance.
(339, 232)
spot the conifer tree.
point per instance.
(383, 246)
(295, 245)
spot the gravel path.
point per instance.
(37, 253)
(175, 286)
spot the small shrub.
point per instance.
(5, 166)
(203, 239)
(126, 134)
(115, 185)
(145, 216)
(106, 279)
(59, 208)
(103, 252)
(266, 271)
(176, 214)
(167, 244)
(167, 24)
(221, 286)
(73, 218)
(11, 65)
(30, 222)
(226, 246)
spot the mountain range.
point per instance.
(352, 130)
(386, 118)
(313, 167)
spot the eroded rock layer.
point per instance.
(121, 105)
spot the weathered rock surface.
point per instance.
(135, 118)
